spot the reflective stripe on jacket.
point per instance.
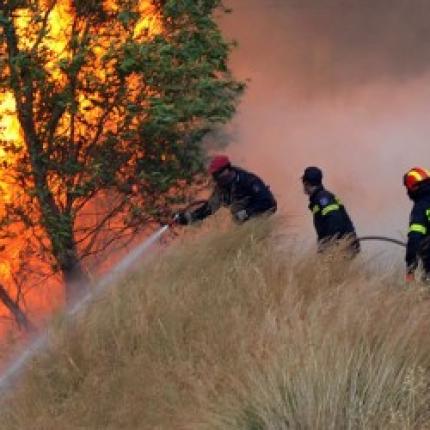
(419, 234)
(331, 219)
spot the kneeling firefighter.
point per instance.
(417, 183)
(331, 219)
(244, 193)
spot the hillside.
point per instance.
(242, 330)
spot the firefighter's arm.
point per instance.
(417, 232)
(207, 209)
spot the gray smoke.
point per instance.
(340, 84)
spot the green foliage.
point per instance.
(115, 109)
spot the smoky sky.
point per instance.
(330, 43)
(360, 40)
(344, 85)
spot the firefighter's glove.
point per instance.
(241, 216)
(182, 218)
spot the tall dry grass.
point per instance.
(239, 330)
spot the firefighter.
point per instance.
(331, 219)
(417, 183)
(244, 193)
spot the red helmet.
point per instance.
(415, 177)
(218, 163)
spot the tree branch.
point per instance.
(20, 317)
(60, 108)
(93, 235)
(44, 25)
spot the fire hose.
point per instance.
(382, 239)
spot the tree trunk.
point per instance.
(76, 280)
(58, 224)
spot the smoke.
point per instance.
(339, 84)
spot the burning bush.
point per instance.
(103, 107)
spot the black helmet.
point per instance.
(313, 175)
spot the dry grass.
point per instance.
(239, 330)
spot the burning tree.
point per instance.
(111, 99)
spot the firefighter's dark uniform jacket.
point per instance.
(418, 245)
(247, 196)
(330, 217)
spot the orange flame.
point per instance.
(59, 30)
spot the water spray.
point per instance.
(41, 342)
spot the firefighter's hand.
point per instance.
(242, 215)
(410, 277)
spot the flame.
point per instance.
(9, 127)
(60, 22)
